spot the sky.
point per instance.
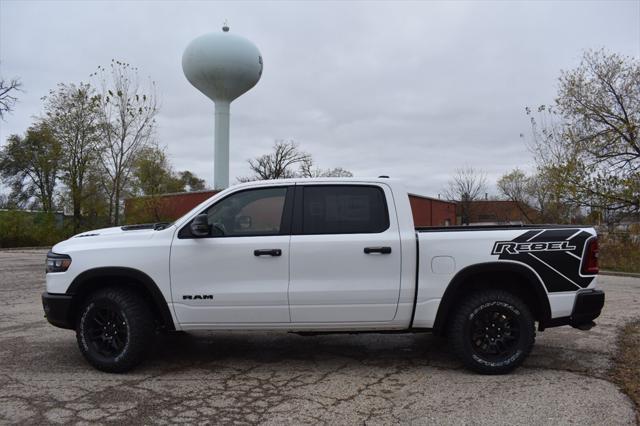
(412, 90)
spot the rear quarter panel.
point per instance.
(552, 254)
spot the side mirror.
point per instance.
(200, 226)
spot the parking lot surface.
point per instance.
(279, 378)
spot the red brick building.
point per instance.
(165, 207)
(499, 212)
(427, 211)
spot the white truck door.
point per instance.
(239, 274)
(345, 254)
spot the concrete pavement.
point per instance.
(278, 378)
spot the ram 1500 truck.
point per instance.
(318, 256)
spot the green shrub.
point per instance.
(29, 229)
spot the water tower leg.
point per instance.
(221, 147)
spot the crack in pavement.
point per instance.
(279, 378)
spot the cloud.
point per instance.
(411, 90)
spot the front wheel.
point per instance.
(492, 332)
(115, 329)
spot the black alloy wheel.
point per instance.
(107, 330)
(495, 333)
(492, 331)
(115, 329)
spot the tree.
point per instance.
(288, 161)
(538, 196)
(95, 210)
(191, 182)
(128, 113)
(152, 174)
(30, 165)
(5, 202)
(279, 164)
(516, 186)
(464, 187)
(591, 138)
(72, 114)
(307, 170)
(8, 99)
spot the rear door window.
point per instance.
(344, 209)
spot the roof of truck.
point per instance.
(318, 180)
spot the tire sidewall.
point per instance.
(519, 351)
(461, 330)
(82, 331)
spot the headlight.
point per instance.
(58, 262)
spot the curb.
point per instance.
(25, 248)
(620, 274)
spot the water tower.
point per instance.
(223, 66)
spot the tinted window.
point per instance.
(246, 213)
(343, 209)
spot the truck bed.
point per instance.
(492, 227)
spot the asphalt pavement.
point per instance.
(280, 378)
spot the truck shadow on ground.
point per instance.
(554, 350)
(200, 348)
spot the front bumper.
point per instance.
(57, 309)
(586, 308)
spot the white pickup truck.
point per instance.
(318, 256)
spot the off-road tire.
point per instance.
(470, 343)
(131, 326)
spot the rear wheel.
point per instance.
(492, 332)
(115, 329)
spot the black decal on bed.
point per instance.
(555, 254)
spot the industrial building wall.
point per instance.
(166, 207)
(432, 212)
(500, 211)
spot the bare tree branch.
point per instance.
(127, 124)
(466, 186)
(287, 161)
(8, 99)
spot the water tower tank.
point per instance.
(223, 66)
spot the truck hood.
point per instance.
(107, 237)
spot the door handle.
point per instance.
(267, 252)
(381, 250)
